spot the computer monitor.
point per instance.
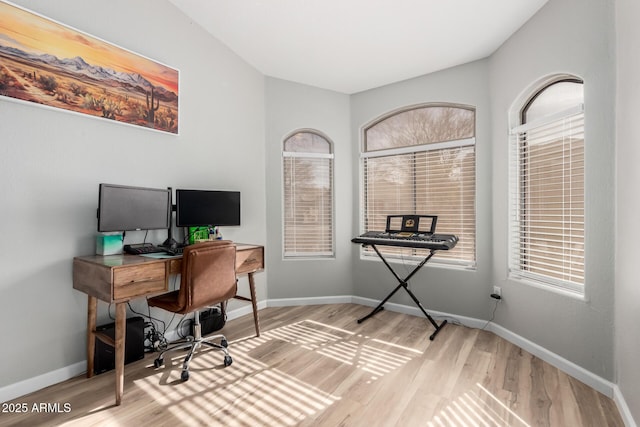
(125, 208)
(206, 208)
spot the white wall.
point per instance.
(51, 163)
(290, 107)
(627, 291)
(463, 292)
(565, 36)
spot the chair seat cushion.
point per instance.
(169, 302)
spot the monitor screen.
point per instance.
(123, 208)
(195, 208)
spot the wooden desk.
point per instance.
(121, 278)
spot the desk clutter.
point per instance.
(109, 243)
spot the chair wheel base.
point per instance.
(228, 360)
(158, 362)
(184, 376)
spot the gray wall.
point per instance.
(290, 107)
(565, 36)
(627, 291)
(52, 161)
(233, 121)
(463, 292)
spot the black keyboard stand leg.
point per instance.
(380, 306)
(403, 283)
(433, 322)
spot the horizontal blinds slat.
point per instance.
(308, 206)
(438, 182)
(547, 194)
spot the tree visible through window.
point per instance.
(308, 195)
(422, 161)
(547, 187)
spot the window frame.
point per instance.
(415, 256)
(517, 130)
(308, 155)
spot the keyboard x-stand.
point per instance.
(431, 242)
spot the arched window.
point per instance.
(547, 186)
(307, 158)
(421, 160)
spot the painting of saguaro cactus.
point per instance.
(61, 67)
(151, 109)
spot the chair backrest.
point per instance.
(208, 274)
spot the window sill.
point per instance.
(570, 293)
(309, 258)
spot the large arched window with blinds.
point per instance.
(307, 158)
(421, 160)
(547, 186)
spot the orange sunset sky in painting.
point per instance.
(31, 33)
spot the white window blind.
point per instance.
(423, 162)
(547, 199)
(308, 196)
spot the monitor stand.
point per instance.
(170, 242)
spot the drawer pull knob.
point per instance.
(148, 279)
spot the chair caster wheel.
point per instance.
(184, 376)
(228, 360)
(224, 343)
(158, 362)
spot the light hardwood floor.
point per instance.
(315, 366)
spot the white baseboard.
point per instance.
(625, 413)
(415, 311)
(600, 384)
(244, 310)
(30, 385)
(605, 387)
(289, 302)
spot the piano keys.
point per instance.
(428, 241)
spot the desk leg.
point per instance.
(254, 303)
(92, 312)
(121, 325)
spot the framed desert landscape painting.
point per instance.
(46, 63)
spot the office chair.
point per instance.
(208, 278)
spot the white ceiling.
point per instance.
(354, 45)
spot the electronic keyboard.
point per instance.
(408, 240)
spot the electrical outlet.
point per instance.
(497, 293)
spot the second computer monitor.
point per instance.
(125, 208)
(202, 208)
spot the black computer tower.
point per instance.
(105, 359)
(211, 320)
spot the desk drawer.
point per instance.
(139, 280)
(249, 260)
